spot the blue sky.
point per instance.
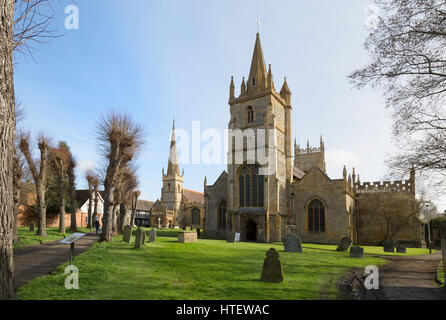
(163, 59)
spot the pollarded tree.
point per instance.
(128, 183)
(134, 201)
(72, 192)
(408, 61)
(90, 180)
(38, 171)
(120, 138)
(60, 158)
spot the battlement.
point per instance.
(400, 186)
(308, 151)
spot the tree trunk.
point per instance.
(122, 216)
(61, 204)
(134, 203)
(90, 199)
(16, 182)
(107, 232)
(96, 200)
(115, 219)
(73, 209)
(7, 128)
(41, 205)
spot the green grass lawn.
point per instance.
(208, 269)
(28, 238)
(371, 249)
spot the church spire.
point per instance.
(173, 167)
(285, 92)
(257, 74)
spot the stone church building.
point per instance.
(178, 207)
(297, 196)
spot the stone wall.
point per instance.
(214, 194)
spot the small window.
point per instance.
(250, 114)
(253, 82)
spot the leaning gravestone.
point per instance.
(356, 252)
(344, 244)
(388, 246)
(152, 235)
(272, 267)
(127, 234)
(140, 238)
(292, 243)
(31, 226)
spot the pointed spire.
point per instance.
(308, 146)
(321, 144)
(285, 92)
(231, 89)
(257, 73)
(344, 173)
(243, 87)
(354, 176)
(349, 180)
(270, 83)
(173, 167)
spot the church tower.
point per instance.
(171, 192)
(260, 125)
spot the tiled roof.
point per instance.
(144, 205)
(193, 196)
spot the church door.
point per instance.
(251, 230)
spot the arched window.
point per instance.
(222, 215)
(250, 114)
(316, 216)
(195, 216)
(251, 187)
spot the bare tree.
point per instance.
(60, 158)
(409, 63)
(393, 211)
(38, 171)
(120, 138)
(95, 184)
(90, 180)
(128, 184)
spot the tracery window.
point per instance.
(222, 215)
(251, 187)
(250, 114)
(316, 216)
(195, 216)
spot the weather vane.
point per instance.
(258, 24)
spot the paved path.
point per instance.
(409, 278)
(37, 261)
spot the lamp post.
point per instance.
(428, 228)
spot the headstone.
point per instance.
(356, 252)
(140, 238)
(344, 244)
(31, 226)
(292, 243)
(152, 235)
(272, 267)
(388, 246)
(127, 234)
(187, 236)
(198, 232)
(237, 237)
(401, 249)
(184, 228)
(230, 237)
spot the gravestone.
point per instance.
(127, 234)
(388, 246)
(272, 267)
(230, 237)
(237, 237)
(443, 247)
(356, 252)
(187, 236)
(140, 238)
(198, 232)
(152, 235)
(344, 244)
(183, 228)
(31, 226)
(292, 243)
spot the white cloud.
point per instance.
(85, 165)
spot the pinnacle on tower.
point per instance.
(285, 92)
(231, 89)
(173, 167)
(344, 173)
(243, 87)
(270, 82)
(257, 74)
